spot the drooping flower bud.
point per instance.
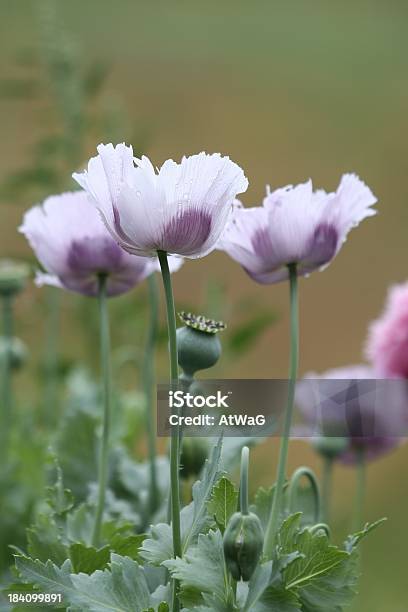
(13, 277)
(194, 452)
(243, 541)
(198, 346)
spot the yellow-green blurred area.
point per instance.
(289, 90)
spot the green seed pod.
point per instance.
(15, 350)
(198, 346)
(243, 542)
(13, 277)
(330, 446)
(194, 452)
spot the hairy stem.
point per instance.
(273, 523)
(243, 489)
(107, 402)
(149, 396)
(51, 356)
(358, 518)
(175, 434)
(327, 480)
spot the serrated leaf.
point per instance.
(121, 589)
(267, 590)
(76, 448)
(322, 575)
(60, 499)
(45, 542)
(88, 559)
(202, 492)
(48, 576)
(159, 547)
(127, 545)
(80, 524)
(257, 585)
(278, 599)
(223, 502)
(263, 503)
(355, 538)
(202, 571)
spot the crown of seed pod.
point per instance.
(198, 345)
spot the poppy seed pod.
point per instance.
(13, 277)
(198, 346)
(330, 446)
(243, 541)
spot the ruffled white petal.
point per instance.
(182, 209)
(296, 225)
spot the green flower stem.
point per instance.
(358, 518)
(51, 356)
(107, 402)
(6, 395)
(243, 489)
(273, 523)
(327, 481)
(304, 473)
(149, 396)
(175, 434)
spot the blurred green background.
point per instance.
(290, 90)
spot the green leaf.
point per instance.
(76, 448)
(322, 575)
(202, 492)
(263, 503)
(162, 607)
(87, 559)
(202, 571)
(223, 502)
(267, 590)
(80, 524)
(159, 547)
(121, 589)
(278, 599)
(127, 545)
(48, 576)
(59, 499)
(45, 541)
(354, 539)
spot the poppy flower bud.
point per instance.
(330, 446)
(194, 452)
(198, 346)
(15, 350)
(13, 277)
(243, 541)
